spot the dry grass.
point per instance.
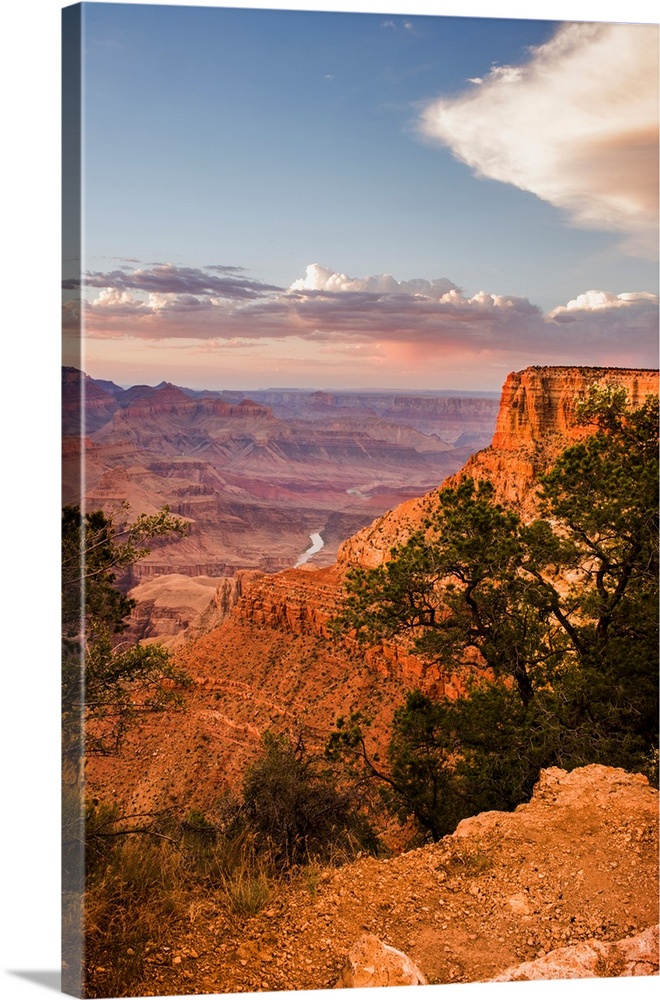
(141, 886)
(146, 876)
(128, 907)
(248, 891)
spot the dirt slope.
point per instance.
(580, 861)
(248, 680)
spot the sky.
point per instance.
(341, 200)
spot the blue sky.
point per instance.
(274, 139)
(253, 144)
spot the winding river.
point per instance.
(316, 546)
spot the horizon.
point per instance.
(366, 389)
(385, 390)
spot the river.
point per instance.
(316, 546)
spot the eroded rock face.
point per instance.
(174, 609)
(540, 402)
(633, 956)
(303, 602)
(537, 419)
(371, 962)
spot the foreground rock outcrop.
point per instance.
(371, 962)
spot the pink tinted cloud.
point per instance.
(332, 313)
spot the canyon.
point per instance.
(263, 655)
(253, 478)
(559, 888)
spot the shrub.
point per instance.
(296, 810)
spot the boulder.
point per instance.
(633, 956)
(371, 962)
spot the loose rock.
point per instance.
(371, 962)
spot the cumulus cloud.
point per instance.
(113, 297)
(577, 125)
(379, 316)
(323, 279)
(597, 301)
(438, 321)
(616, 322)
(616, 329)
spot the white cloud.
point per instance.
(601, 327)
(597, 301)
(110, 297)
(322, 279)
(406, 321)
(577, 125)
(506, 74)
(160, 300)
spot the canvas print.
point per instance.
(359, 515)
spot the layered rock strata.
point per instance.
(305, 602)
(538, 418)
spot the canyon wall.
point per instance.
(537, 419)
(304, 602)
(457, 418)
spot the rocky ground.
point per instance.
(580, 861)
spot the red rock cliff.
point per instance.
(537, 419)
